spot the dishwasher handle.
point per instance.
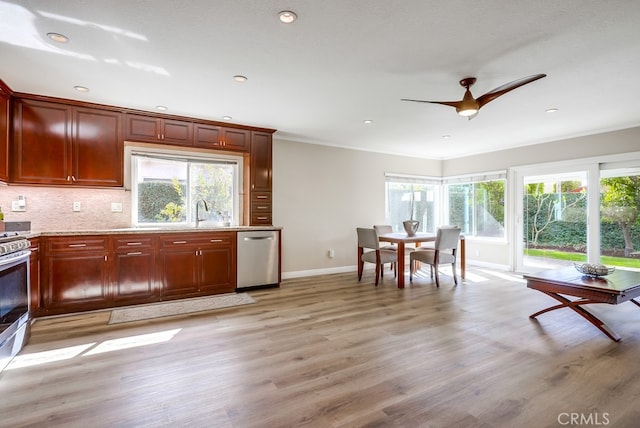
(257, 238)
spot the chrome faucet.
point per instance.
(206, 208)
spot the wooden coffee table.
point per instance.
(618, 287)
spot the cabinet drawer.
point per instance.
(261, 219)
(260, 207)
(133, 242)
(77, 244)
(197, 240)
(261, 197)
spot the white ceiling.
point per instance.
(342, 62)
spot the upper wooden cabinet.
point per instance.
(219, 137)
(260, 200)
(158, 130)
(60, 144)
(4, 135)
(261, 168)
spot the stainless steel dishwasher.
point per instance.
(258, 258)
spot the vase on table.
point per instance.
(411, 226)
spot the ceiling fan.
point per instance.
(469, 106)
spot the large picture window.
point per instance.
(170, 189)
(411, 198)
(476, 205)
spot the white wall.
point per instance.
(321, 194)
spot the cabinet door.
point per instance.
(177, 272)
(4, 135)
(97, 147)
(75, 281)
(236, 139)
(34, 274)
(141, 128)
(207, 136)
(217, 264)
(133, 276)
(176, 132)
(261, 161)
(41, 149)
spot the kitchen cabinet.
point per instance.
(60, 144)
(222, 138)
(197, 264)
(158, 130)
(34, 275)
(260, 199)
(133, 271)
(75, 274)
(4, 135)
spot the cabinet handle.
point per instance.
(77, 245)
(73, 178)
(261, 197)
(261, 207)
(179, 242)
(262, 218)
(134, 243)
(105, 258)
(135, 253)
(215, 240)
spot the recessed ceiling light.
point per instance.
(81, 88)
(57, 37)
(287, 16)
(367, 121)
(240, 78)
(551, 110)
(162, 108)
(227, 117)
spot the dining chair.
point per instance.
(382, 229)
(444, 251)
(368, 240)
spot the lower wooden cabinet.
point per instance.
(198, 265)
(81, 273)
(133, 270)
(75, 274)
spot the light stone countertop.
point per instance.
(141, 230)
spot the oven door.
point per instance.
(14, 304)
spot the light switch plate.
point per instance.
(76, 206)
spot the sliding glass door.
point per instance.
(554, 220)
(588, 213)
(620, 216)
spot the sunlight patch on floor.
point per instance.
(36, 358)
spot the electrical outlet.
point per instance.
(116, 207)
(331, 254)
(76, 206)
(15, 206)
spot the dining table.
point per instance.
(402, 238)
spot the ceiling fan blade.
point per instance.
(455, 104)
(501, 90)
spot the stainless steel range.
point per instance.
(14, 295)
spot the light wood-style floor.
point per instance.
(328, 351)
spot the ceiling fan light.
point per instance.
(468, 111)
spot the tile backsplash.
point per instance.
(51, 208)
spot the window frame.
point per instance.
(183, 155)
